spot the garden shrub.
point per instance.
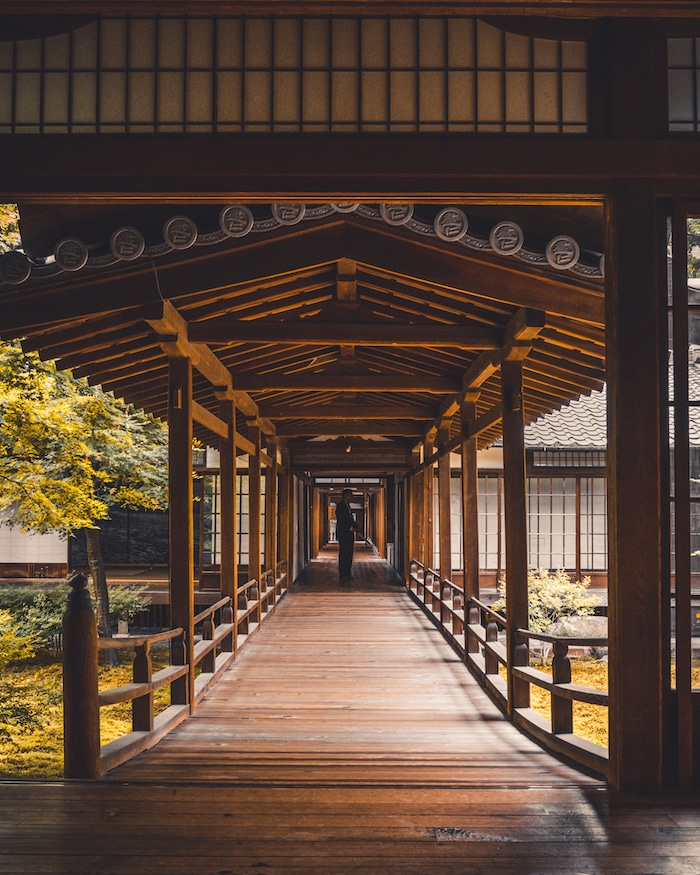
(551, 595)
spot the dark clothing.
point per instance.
(345, 533)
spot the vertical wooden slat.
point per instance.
(515, 523)
(635, 364)
(180, 516)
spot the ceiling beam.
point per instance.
(174, 327)
(149, 169)
(310, 382)
(346, 411)
(351, 428)
(303, 332)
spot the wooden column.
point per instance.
(515, 506)
(428, 512)
(180, 516)
(444, 502)
(271, 510)
(637, 600)
(412, 514)
(229, 521)
(470, 503)
(285, 515)
(380, 520)
(254, 486)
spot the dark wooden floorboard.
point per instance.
(348, 738)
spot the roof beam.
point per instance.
(520, 332)
(352, 428)
(310, 382)
(303, 332)
(172, 325)
(347, 412)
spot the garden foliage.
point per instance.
(551, 595)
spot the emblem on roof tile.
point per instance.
(396, 214)
(562, 252)
(345, 208)
(127, 244)
(14, 268)
(180, 232)
(71, 254)
(236, 220)
(451, 224)
(506, 238)
(288, 214)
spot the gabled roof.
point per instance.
(341, 325)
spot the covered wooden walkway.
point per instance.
(348, 738)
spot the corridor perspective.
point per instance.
(347, 738)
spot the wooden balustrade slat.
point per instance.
(127, 692)
(123, 642)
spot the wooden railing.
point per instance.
(222, 637)
(481, 643)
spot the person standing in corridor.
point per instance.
(345, 533)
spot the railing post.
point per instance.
(457, 605)
(209, 659)
(520, 687)
(227, 617)
(179, 688)
(562, 709)
(81, 708)
(142, 707)
(490, 660)
(474, 619)
(445, 598)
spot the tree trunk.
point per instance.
(99, 579)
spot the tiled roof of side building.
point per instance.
(582, 424)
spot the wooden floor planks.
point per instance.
(348, 738)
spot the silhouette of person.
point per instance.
(345, 533)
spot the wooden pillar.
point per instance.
(412, 514)
(229, 523)
(516, 525)
(380, 521)
(254, 486)
(428, 511)
(227, 467)
(285, 515)
(444, 502)
(271, 510)
(637, 600)
(470, 503)
(180, 516)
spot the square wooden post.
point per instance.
(229, 527)
(285, 512)
(444, 503)
(271, 511)
(515, 506)
(254, 488)
(638, 602)
(428, 512)
(470, 504)
(180, 516)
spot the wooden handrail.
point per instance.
(123, 642)
(219, 646)
(474, 631)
